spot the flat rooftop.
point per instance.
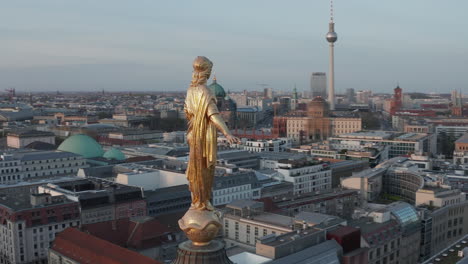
(275, 241)
(91, 187)
(379, 135)
(382, 135)
(21, 200)
(30, 155)
(368, 173)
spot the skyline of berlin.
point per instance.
(113, 45)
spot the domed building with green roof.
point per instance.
(226, 106)
(114, 154)
(82, 145)
(217, 89)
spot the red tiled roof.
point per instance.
(130, 234)
(86, 248)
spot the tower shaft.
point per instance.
(331, 79)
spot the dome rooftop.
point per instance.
(217, 89)
(82, 145)
(114, 154)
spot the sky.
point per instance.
(149, 45)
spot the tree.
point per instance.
(370, 121)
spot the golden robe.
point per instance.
(200, 105)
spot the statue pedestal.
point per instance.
(213, 253)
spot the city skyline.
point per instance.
(116, 46)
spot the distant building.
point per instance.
(318, 84)
(369, 183)
(272, 145)
(315, 124)
(30, 222)
(27, 164)
(248, 116)
(23, 138)
(443, 215)
(227, 107)
(175, 137)
(391, 233)
(350, 95)
(235, 186)
(100, 200)
(460, 154)
(168, 200)
(268, 93)
(401, 144)
(337, 202)
(363, 97)
(307, 176)
(137, 134)
(150, 177)
(301, 246)
(238, 158)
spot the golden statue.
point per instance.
(201, 223)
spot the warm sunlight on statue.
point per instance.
(203, 122)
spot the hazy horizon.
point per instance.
(117, 45)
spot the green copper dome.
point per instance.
(217, 89)
(82, 145)
(114, 154)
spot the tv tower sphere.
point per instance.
(332, 37)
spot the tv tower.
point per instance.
(331, 38)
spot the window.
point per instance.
(256, 231)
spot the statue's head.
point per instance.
(201, 70)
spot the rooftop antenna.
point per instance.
(331, 10)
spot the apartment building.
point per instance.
(100, 200)
(30, 222)
(25, 164)
(307, 176)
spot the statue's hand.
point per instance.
(232, 139)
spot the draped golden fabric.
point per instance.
(200, 104)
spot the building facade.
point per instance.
(30, 222)
(22, 139)
(22, 165)
(100, 200)
(318, 84)
(307, 176)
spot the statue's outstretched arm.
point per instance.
(218, 121)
